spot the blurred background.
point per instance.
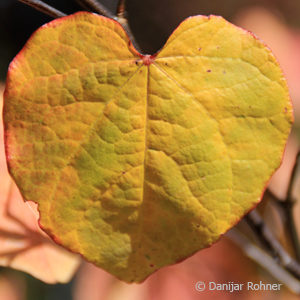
(277, 22)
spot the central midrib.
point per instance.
(146, 135)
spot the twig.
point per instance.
(121, 9)
(269, 193)
(264, 260)
(292, 230)
(264, 233)
(258, 231)
(44, 8)
(288, 206)
(122, 19)
(97, 7)
(289, 197)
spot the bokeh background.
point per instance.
(277, 22)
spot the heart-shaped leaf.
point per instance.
(138, 161)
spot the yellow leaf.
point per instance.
(139, 161)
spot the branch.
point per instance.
(264, 260)
(121, 9)
(266, 236)
(274, 198)
(44, 8)
(97, 7)
(121, 17)
(289, 197)
(288, 206)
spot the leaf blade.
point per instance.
(157, 151)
